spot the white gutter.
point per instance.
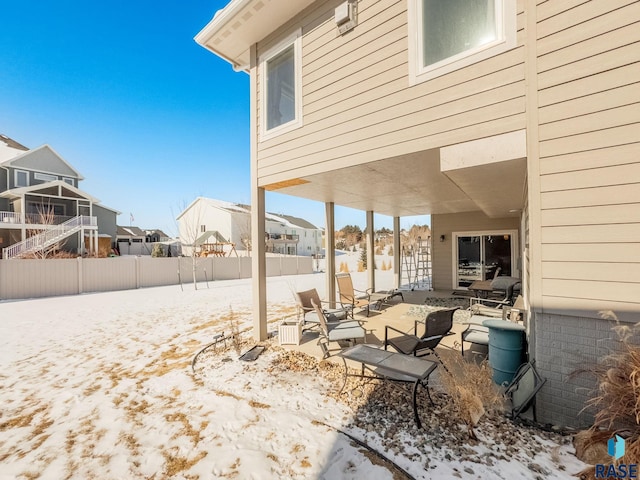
(219, 21)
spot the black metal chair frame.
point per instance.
(412, 344)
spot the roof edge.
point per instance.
(220, 19)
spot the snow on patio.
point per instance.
(100, 386)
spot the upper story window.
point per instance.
(45, 177)
(68, 180)
(446, 35)
(280, 87)
(21, 178)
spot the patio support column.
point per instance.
(397, 273)
(330, 251)
(23, 229)
(258, 227)
(258, 263)
(371, 259)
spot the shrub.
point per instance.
(471, 389)
(363, 258)
(616, 398)
(157, 251)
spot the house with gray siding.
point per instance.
(515, 124)
(39, 192)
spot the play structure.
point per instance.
(218, 249)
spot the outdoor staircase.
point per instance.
(51, 236)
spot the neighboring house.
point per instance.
(154, 236)
(514, 124)
(209, 221)
(136, 241)
(39, 192)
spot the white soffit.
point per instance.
(244, 22)
(484, 151)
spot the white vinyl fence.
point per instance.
(45, 278)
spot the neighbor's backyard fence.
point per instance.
(51, 277)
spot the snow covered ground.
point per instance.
(101, 386)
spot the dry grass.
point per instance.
(177, 464)
(22, 420)
(471, 390)
(223, 393)
(187, 429)
(616, 399)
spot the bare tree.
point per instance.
(190, 230)
(245, 234)
(416, 231)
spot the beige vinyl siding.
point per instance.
(589, 65)
(358, 106)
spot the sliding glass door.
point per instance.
(483, 255)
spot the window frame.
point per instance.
(294, 39)
(69, 181)
(15, 178)
(45, 177)
(506, 18)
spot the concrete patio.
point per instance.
(374, 324)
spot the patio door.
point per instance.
(477, 256)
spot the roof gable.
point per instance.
(44, 159)
(130, 231)
(299, 222)
(55, 188)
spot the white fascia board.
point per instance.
(39, 186)
(217, 23)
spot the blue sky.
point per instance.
(122, 92)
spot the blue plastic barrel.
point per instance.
(506, 349)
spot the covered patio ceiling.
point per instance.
(415, 184)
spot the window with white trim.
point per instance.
(280, 87)
(21, 178)
(446, 35)
(45, 177)
(68, 180)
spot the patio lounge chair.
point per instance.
(307, 311)
(437, 325)
(351, 298)
(333, 330)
